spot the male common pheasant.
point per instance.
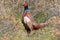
(28, 21)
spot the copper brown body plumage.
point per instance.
(27, 20)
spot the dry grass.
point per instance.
(11, 27)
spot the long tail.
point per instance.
(38, 26)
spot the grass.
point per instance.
(41, 34)
(47, 33)
(40, 17)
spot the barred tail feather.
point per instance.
(38, 26)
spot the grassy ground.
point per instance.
(50, 32)
(11, 27)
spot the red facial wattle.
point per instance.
(25, 4)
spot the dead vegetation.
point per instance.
(11, 27)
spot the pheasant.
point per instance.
(28, 22)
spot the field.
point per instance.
(11, 27)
